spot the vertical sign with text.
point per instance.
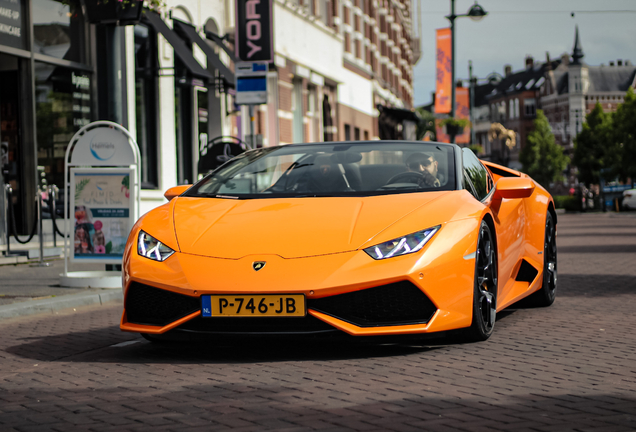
(12, 24)
(254, 40)
(443, 72)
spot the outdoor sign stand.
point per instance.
(102, 179)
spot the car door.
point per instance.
(509, 220)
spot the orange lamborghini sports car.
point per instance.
(377, 238)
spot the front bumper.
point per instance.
(426, 292)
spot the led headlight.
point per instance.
(150, 247)
(403, 245)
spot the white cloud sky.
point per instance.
(516, 28)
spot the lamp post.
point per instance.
(476, 13)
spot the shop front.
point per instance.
(46, 95)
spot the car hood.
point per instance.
(290, 228)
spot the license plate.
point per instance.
(271, 305)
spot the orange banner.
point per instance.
(462, 112)
(443, 74)
(462, 101)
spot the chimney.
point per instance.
(628, 63)
(529, 62)
(611, 63)
(507, 70)
(619, 62)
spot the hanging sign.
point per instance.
(11, 24)
(462, 112)
(443, 72)
(254, 40)
(102, 202)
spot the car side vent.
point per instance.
(153, 306)
(501, 172)
(393, 304)
(526, 272)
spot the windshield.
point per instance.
(338, 169)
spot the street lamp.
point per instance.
(476, 13)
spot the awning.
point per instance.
(180, 48)
(191, 33)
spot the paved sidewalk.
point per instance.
(26, 290)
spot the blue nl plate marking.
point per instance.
(206, 306)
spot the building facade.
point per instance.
(572, 89)
(169, 80)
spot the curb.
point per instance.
(51, 305)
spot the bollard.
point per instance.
(41, 262)
(52, 194)
(6, 196)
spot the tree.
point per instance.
(426, 124)
(595, 148)
(625, 134)
(542, 157)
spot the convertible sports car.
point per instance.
(361, 238)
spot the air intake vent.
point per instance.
(526, 273)
(394, 304)
(304, 325)
(153, 306)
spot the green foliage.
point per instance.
(595, 148)
(126, 181)
(426, 124)
(542, 157)
(625, 134)
(455, 122)
(109, 247)
(79, 187)
(567, 202)
(476, 148)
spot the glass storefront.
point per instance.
(62, 107)
(45, 95)
(58, 30)
(11, 150)
(146, 69)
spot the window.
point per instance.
(530, 107)
(511, 109)
(59, 30)
(356, 134)
(516, 108)
(146, 66)
(347, 130)
(297, 109)
(476, 173)
(63, 106)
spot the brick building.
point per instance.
(513, 103)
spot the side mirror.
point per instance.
(513, 187)
(176, 191)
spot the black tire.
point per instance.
(546, 295)
(485, 287)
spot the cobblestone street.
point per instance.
(571, 366)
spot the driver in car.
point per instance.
(425, 164)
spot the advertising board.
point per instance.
(103, 208)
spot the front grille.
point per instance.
(393, 304)
(154, 306)
(304, 325)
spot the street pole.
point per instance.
(252, 143)
(471, 84)
(452, 26)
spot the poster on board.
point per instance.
(103, 209)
